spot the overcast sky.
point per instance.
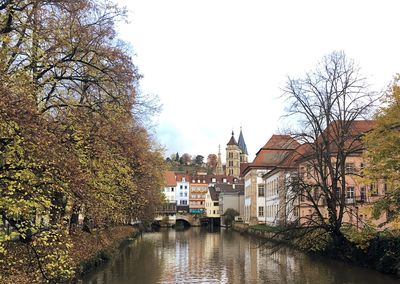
(218, 64)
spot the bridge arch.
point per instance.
(183, 222)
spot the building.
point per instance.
(359, 195)
(236, 153)
(277, 148)
(212, 203)
(182, 192)
(197, 194)
(231, 197)
(281, 207)
(169, 192)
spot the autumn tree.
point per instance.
(72, 139)
(383, 152)
(330, 105)
(185, 159)
(212, 161)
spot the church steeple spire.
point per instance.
(220, 170)
(241, 142)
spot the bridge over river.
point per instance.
(192, 220)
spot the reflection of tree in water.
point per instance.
(198, 256)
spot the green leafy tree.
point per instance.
(229, 216)
(199, 160)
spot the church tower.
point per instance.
(242, 145)
(233, 157)
(220, 170)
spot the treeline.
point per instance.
(72, 139)
(188, 162)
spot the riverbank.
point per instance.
(91, 250)
(380, 253)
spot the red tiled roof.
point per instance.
(277, 148)
(180, 176)
(169, 177)
(280, 142)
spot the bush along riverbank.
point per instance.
(90, 250)
(375, 250)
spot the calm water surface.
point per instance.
(198, 255)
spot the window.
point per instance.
(363, 194)
(181, 186)
(261, 190)
(350, 192)
(172, 189)
(215, 203)
(373, 189)
(181, 194)
(185, 186)
(350, 168)
(261, 211)
(308, 171)
(185, 194)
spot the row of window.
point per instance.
(271, 211)
(196, 202)
(272, 188)
(209, 204)
(198, 196)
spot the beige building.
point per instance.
(212, 203)
(236, 154)
(277, 148)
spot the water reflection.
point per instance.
(200, 256)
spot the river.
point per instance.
(198, 255)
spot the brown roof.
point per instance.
(213, 193)
(223, 187)
(169, 177)
(352, 140)
(232, 141)
(280, 142)
(277, 148)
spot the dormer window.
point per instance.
(183, 180)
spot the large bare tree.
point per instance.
(331, 106)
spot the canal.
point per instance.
(197, 255)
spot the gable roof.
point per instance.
(169, 177)
(277, 148)
(213, 193)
